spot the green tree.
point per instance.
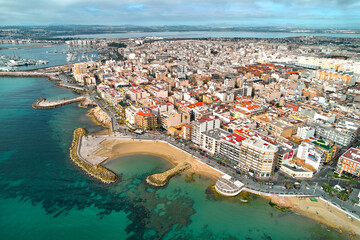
(352, 182)
(329, 176)
(343, 195)
(354, 201)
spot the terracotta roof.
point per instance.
(144, 114)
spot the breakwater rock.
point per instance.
(100, 117)
(161, 179)
(97, 171)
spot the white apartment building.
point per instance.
(203, 125)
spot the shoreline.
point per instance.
(320, 211)
(329, 216)
(294, 203)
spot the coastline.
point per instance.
(100, 118)
(319, 211)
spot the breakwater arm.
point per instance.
(42, 103)
(161, 179)
(97, 171)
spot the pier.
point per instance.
(161, 179)
(42, 103)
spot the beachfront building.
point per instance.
(211, 140)
(257, 157)
(145, 120)
(349, 162)
(230, 147)
(186, 131)
(203, 125)
(283, 156)
(311, 155)
(130, 114)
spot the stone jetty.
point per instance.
(42, 103)
(95, 170)
(161, 179)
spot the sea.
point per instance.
(44, 195)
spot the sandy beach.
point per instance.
(322, 212)
(113, 148)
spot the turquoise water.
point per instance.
(43, 195)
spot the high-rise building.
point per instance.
(230, 147)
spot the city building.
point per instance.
(211, 140)
(278, 128)
(257, 157)
(230, 147)
(203, 125)
(349, 162)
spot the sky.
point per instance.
(293, 13)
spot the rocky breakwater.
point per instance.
(97, 171)
(161, 179)
(100, 117)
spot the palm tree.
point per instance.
(354, 201)
(353, 182)
(343, 195)
(327, 187)
(334, 192)
(329, 176)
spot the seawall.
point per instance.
(97, 171)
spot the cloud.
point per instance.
(194, 12)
